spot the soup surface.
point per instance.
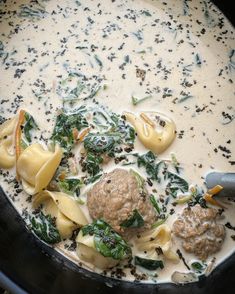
(117, 99)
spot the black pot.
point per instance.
(29, 266)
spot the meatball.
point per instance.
(116, 196)
(201, 234)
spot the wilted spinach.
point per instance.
(44, 227)
(152, 168)
(100, 143)
(197, 267)
(107, 241)
(92, 164)
(37, 10)
(149, 264)
(155, 204)
(70, 186)
(29, 125)
(63, 130)
(134, 221)
(126, 132)
(197, 198)
(115, 132)
(1, 49)
(175, 184)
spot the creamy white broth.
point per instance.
(184, 52)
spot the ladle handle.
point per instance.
(226, 180)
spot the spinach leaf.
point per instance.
(149, 264)
(99, 62)
(107, 241)
(36, 10)
(24, 144)
(127, 132)
(155, 204)
(92, 164)
(197, 266)
(134, 221)
(197, 198)
(92, 179)
(44, 227)
(63, 130)
(145, 12)
(101, 143)
(147, 161)
(2, 53)
(75, 93)
(175, 184)
(159, 222)
(29, 125)
(70, 186)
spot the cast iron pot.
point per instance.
(27, 265)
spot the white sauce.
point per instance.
(167, 40)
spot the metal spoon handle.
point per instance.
(226, 180)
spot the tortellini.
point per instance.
(7, 153)
(65, 209)
(155, 130)
(158, 237)
(36, 167)
(87, 252)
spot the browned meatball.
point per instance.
(200, 233)
(116, 196)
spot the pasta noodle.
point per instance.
(36, 167)
(155, 238)
(155, 140)
(7, 154)
(86, 251)
(66, 210)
